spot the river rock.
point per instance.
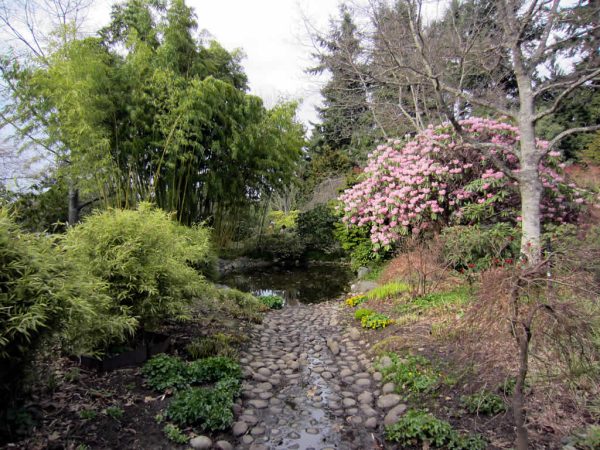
(333, 346)
(387, 401)
(201, 443)
(394, 414)
(385, 362)
(388, 388)
(365, 397)
(223, 445)
(354, 333)
(363, 286)
(239, 428)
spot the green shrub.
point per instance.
(419, 427)
(240, 305)
(356, 241)
(286, 248)
(213, 369)
(144, 259)
(411, 374)
(29, 309)
(174, 434)
(272, 301)
(280, 219)
(388, 290)
(218, 344)
(210, 409)
(360, 313)
(478, 248)
(88, 414)
(483, 402)
(165, 372)
(375, 321)
(316, 229)
(43, 294)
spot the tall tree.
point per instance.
(32, 29)
(346, 121)
(507, 66)
(149, 112)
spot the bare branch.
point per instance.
(570, 131)
(559, 99)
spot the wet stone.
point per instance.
(387, 401)
(239, 428)
(388, 388)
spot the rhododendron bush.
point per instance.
(437, 179)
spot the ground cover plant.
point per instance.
(388, 290)
(164, 371)
(422, 428)
(356, 300)
(411, 374)
(272, 301)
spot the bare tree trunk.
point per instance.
(74, 207)
(530, 186)
(518, 400)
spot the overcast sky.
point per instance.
(273, 36)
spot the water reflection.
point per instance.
(314, 284)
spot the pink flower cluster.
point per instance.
(437, 178)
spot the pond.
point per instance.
(313, 284)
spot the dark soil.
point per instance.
(468, 366)
(75, 408)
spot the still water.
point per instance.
(317, 283)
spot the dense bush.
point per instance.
(144, 259)
(286, 248)
(44, 294)
(29, 308)
(164, 372)
(316, 229)
(436, 179)
(356, 242)
(279, 220)
(479, 247)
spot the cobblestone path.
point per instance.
(307, 385)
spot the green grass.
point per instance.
(437, 300)
(388, 290)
